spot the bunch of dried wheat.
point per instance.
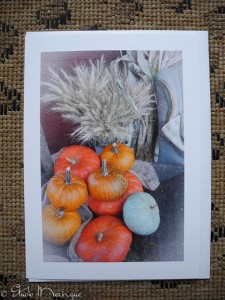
(92, 98)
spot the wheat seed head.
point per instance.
(91, 98)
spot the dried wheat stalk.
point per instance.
(92, 98)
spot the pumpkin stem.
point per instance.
(99, 236)
(115, 148)
(60, 213)
(72, 161)
(68, 177)
(104, 168)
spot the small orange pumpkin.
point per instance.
(67, 191)
(119, 156)
(59, 226)
(115, 207)
(107, 184)
(81, 159)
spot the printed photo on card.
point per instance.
(117, 178)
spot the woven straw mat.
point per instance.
(19, 16)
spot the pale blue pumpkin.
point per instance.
(141, 213)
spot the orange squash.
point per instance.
(67, 191)
(58, 226)
(107, 184)
(104, 239)
(119, 156)
(115, 207)
(82, 161)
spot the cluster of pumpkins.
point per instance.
(109, 189)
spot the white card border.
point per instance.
(194, 46)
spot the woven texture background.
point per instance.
(17, 17)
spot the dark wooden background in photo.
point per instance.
(17, 17)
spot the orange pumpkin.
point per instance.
(104, 239)
(81, 159)
(119, 156)
(67, 191)
(115, 207)
(107, 184)
(59, 226)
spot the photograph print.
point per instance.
(112, 156)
